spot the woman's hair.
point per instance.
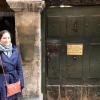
(2, 32)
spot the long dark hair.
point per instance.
(2, 32)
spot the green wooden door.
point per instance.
(75, 26)
(71, 53)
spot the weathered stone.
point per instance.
(28, 36)
(72, 92)
(26, 5)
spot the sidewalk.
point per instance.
(31, 98)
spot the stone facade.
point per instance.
(28, 38)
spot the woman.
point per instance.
(11, 63)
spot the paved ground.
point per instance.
(32, 98)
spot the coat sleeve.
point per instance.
(20, 71)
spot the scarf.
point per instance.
(6, 49)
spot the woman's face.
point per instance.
(6, 39)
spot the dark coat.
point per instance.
(13, 71)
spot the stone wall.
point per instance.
(27, 27)
(28, 37)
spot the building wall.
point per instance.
(28, 38)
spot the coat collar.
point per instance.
(6, 59)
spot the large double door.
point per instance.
(73, 62)
(73, 49)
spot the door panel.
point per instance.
(92, 25)
(75, 26)
(74, 67)
(71, 65)
(94, 67)
(56, 26)
(53, 63)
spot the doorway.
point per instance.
(72, 42)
